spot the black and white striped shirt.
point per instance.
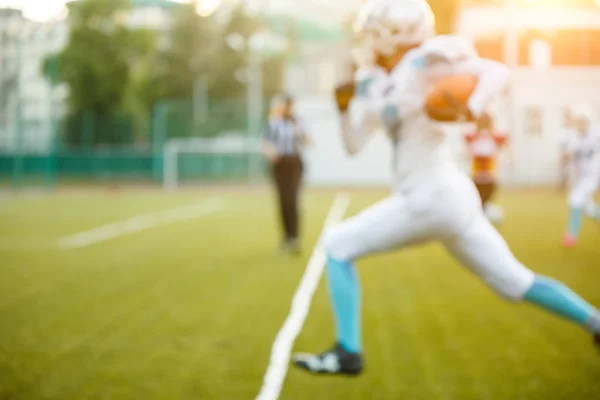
(286, 135)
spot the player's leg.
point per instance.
(288, 201)
(384, 226)
(591, 208)
(281, 185)
(484, 251)
(295, 185)
(432, 211)
(579, 196)
(486, 191)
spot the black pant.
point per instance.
(486, 191)
(287, 173)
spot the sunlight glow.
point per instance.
(207, 7)
(45, 10)
(37, 10)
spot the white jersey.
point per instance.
(584, 155)
(563, 144)
(395, 102)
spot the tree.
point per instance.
(199, 48)
(214, 51)
(230, 60)
(98, 61)
(190, 42)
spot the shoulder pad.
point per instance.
(446, 49)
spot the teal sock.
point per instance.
(344, 291)
(559, 299)
(575, 220)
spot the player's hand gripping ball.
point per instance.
(343, 94)
(447, 101)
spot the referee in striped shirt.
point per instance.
(284, 140)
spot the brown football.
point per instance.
(343, 94)
(447, 100)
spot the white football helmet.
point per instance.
(388, 24)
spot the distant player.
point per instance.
(581, 163)
(565, 136)
(432, 199)
(485, 145)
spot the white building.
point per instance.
(27, 96)
(554, 53)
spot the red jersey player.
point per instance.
(484, 147)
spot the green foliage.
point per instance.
(51, 69)
(115, 72)
(229, 61)
(181, 62)
(199, 48)
(99, 60)
(274, 71)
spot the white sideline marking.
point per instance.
(138, 224)
(282, 346)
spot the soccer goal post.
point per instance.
(239, 146)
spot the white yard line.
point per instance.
(282, 347)
(139, 223)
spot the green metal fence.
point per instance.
(94, 147)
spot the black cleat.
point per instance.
(336, 361)
(597, 339)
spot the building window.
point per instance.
(540, 54)
(533, 121)
(566, 47)
(490, 47)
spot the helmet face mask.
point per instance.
(386, 27)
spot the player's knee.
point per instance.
(575, 204)
(513, 282)
(576, 200)
(508, 294)
(335, 244)
(590, 209)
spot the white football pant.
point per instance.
(446, 208)
(581, 195)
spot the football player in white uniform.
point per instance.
(581, 152)
(432, 199)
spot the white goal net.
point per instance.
(240, 148)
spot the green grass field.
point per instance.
(190, 310)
